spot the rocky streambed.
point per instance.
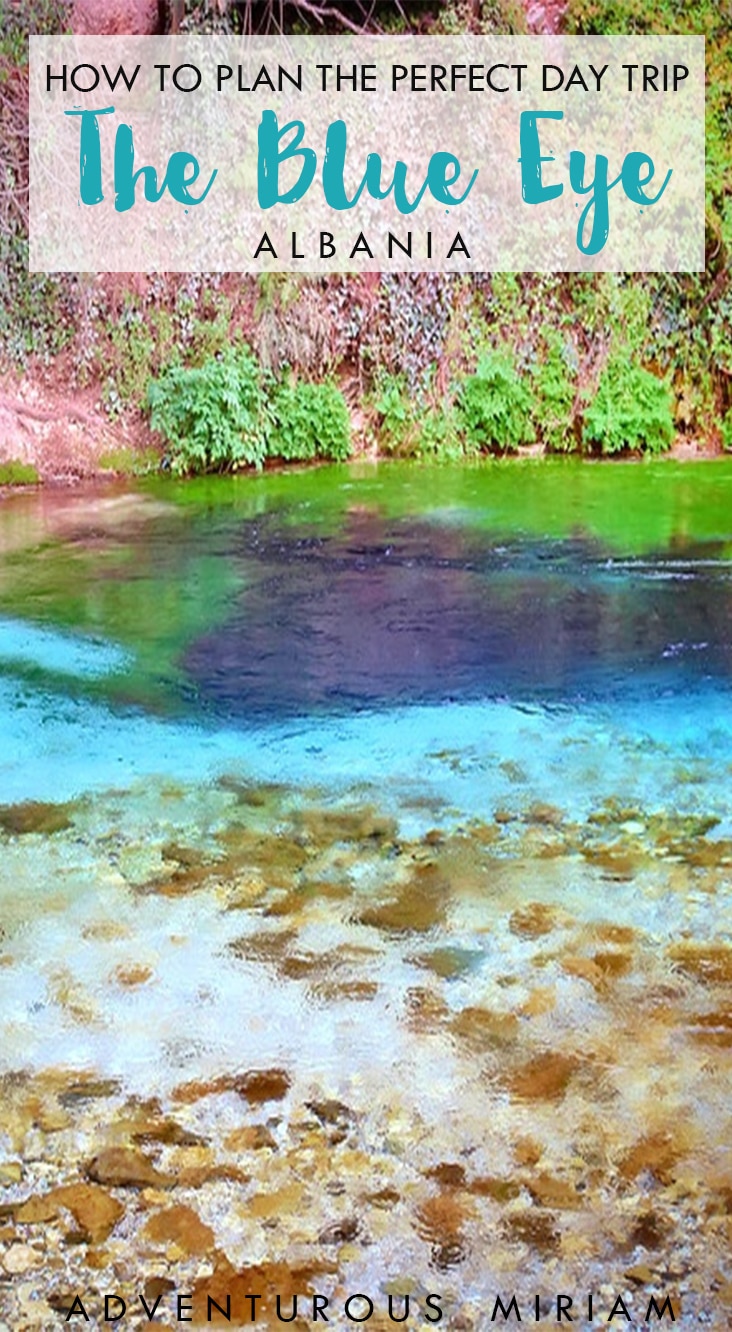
(259, 1041)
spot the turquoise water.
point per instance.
(325, 612)
(362, 769)
(444, 643)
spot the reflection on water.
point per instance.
(387, 613)
(366, 894)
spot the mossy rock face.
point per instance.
(34, 816)
(16, 473)
(130, 462)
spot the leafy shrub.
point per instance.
(441, 439)
(555, 396)
(631, 410)
(397, 413)
(495, 404)
(216, 417)
(18, 18)
(311, 421)
(726, 432)
(227, 413)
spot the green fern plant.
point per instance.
(397, 412)
(555, 396)
(631, 410)
(495, 404)
(311, 421)
(441, 438)
(216, 417)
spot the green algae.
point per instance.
(130, 462)
(450, 961)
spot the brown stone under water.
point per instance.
(419, 905)
(181, 1226)
(94, 1210)
(35, 816)
(255, 1086)
(709, 963)
(546, 1077)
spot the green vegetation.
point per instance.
(15, 473)
(631, 410)
(441, 437)
(130, 462)
(499, 408)
(395, 410)
(555, 386)
(18, 18)
(311, 421)
(445, 366)
(495, 404)
(230, 413)
(215, 417)
(147, 331)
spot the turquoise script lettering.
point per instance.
(443, 170)
(636, 173)
(181, 173)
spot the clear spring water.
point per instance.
(523, 669)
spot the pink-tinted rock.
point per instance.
(108, 17)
